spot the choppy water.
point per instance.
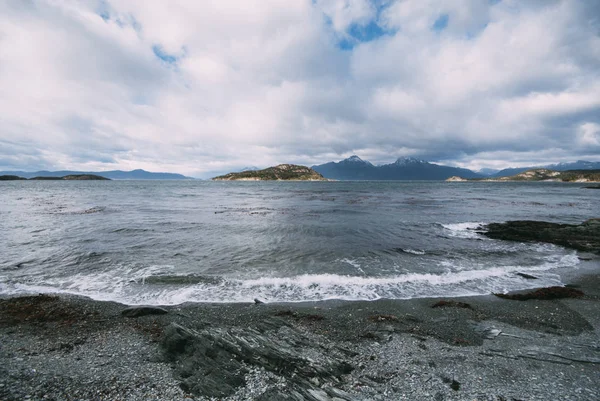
(167, 242)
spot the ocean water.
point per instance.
(168, 242)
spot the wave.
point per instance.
(156, 286)
(412, 251)
(464, 230)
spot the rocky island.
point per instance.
(282, 172)
(541, 174)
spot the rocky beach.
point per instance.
(470, 348)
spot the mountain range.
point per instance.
(405, 168)
(113, 175)
(410, 168)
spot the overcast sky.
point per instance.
(202, 86)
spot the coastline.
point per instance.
(70, 347)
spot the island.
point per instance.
(73, 177)
(541, 174)
(282, 172)
(11, 178)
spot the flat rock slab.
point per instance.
(138, 311)
(583, 237)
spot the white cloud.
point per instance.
(263, 82)
(590, 135)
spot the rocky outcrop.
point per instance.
(544, 294)
(214, 362)
(282, 172)
(583, 237)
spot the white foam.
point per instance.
(413, 251)
(454, 278)
(353, 263)
(306, 287)
(463, 230)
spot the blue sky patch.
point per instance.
(163, 55)
(102, 10)
(441, 23)
(361, 34)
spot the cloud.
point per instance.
(198, 87)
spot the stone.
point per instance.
(138, 311)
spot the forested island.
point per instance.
(282, 172)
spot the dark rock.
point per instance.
(454, 385)
(137, 311)
(527, 276)
(592, 187)
(583, 237)
(451, 304)
(213, 362)
(383, 318)
(258, 301)
(545, 294)
(308, 317)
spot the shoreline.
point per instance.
(480, 347)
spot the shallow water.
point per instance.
(167, 242)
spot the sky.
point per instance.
(203, 87)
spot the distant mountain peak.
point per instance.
(403, 161)
(355, 159)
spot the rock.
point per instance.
(383, 318)
(583, 237)
(490, 333)
(527, 276)
(213, 362)
(137, 311)
(451, 304)
(544, 294)
(258, 301)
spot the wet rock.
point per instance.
(451, 304)
(545, 294)
(583, 237)
(138, 311)
(527, 276)
(213, 362)
(383, 318)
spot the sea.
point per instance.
(169, 242)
